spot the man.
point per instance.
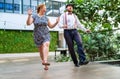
(69, 22)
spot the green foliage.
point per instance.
(16, 41)
(101, 45)
(62, 58)
(97, 14)
(21, 41)
(54, 40)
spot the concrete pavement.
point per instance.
(31, 68)
(23, 55)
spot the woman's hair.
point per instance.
(40, 7)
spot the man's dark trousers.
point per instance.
(71, 36)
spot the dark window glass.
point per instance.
(34, 5)
(17, 5)
(8, 6)
(26, 6)
(1, 5)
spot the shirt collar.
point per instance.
(69, 13)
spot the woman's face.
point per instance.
(43, 9)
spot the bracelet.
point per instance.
(29, 14)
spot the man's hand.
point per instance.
(64, 26)
(88, 31)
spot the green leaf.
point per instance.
(107, 25)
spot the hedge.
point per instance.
(12, 41)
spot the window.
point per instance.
(49, 7)
(8, 6)
(41, 1)
(2, 1)
(34, 5)
(56, 5)
(53, 8)
(17, 6)
(1, 5)
(26, 6)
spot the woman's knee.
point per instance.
(46, 44)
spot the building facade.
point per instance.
(54, 7)
(13, 13)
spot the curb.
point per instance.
(22, 55)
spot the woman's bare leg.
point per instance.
(41, 53)
(44, 50)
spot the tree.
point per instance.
(98, 14)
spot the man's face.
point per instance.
(69, 8)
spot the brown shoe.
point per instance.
(46, 64)
(46, 68)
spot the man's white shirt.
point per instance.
(72, 21)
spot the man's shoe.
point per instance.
(84, 63)
(77, 65)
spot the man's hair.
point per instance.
(69, 5)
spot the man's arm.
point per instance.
(81, 26)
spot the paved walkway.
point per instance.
(23, 55)
(31, 68)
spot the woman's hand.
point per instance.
(29, 11)
(29, 19)
(53, 25)
(57, 20)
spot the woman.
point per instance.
(41, 32)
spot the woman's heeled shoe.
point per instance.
(46, 64)
(46, 68)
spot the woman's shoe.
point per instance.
(46, 64)
(46, 68)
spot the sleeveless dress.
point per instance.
(41, 31)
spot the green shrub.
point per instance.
(21, 41)
(101, 45)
